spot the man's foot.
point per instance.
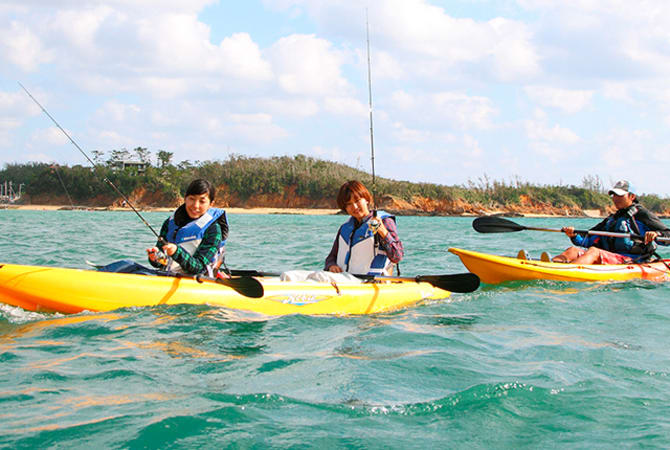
(546, 257)
(523, 254)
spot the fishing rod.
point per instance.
(372, 140)
(105, 179)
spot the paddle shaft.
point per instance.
(457, 282)
(494, 224)
(613, 234)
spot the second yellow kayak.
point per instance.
(493, 269)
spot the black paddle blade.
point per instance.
(461, 283)
(493, 224)
(247, 286)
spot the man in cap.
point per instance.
(630, 217)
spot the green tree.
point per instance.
(164, 158)
(143, 154)
(117, 156)
(98, 156)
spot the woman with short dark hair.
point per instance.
(367, 243)
(195, 233)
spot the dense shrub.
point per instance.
(314, 178)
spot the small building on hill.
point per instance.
(139, 166)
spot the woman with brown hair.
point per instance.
(367, 243)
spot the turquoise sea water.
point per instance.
(540, 364)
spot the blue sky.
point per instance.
(544, 91)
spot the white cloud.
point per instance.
(540, 131)
(567, 100)
(556, 143)
(297, 107)
(241, 57)
(20, 46)
(17, 105)
(79, 28)
(307, 65)
(50, 136)
(403, 100)
(345, 106)
(330, 153)
(624, 148)
(454, 108)
(257, 128)
(425, 40)
(617, 91)
(466, 111)
(118, 112)
(36, 157)
(403, 134)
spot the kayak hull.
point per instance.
(52, 289)
(494, 269)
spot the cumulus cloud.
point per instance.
(539, 131)
(51, 135)
(119, 112)
(451, 109)
(296, 107)
(167, 51)
(427, 41)
(345, 106)
(567, 100)
(258, 128)
(554, 142)
(622, 148)
(19, 45)
(308, 65)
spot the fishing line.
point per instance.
(105, 179)
(55, 168)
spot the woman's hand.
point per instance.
(650, 236)
(335, 269)
(570, 231)
(170, 249)
(151, 253)
(377, 227)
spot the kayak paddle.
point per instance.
(244, 285)
(493, 224)
(461, 283)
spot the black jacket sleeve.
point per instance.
(652, 222)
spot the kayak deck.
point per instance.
(494, 269)
(37, 288)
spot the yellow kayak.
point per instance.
(493, 269)
(52, 289)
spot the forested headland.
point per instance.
(290, 182)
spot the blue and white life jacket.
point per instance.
(623, 221)
(357, 251)
(190, 236)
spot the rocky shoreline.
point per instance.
(311, 211)
(290, 203)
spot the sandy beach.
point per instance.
(303, 211)
(298, 211)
